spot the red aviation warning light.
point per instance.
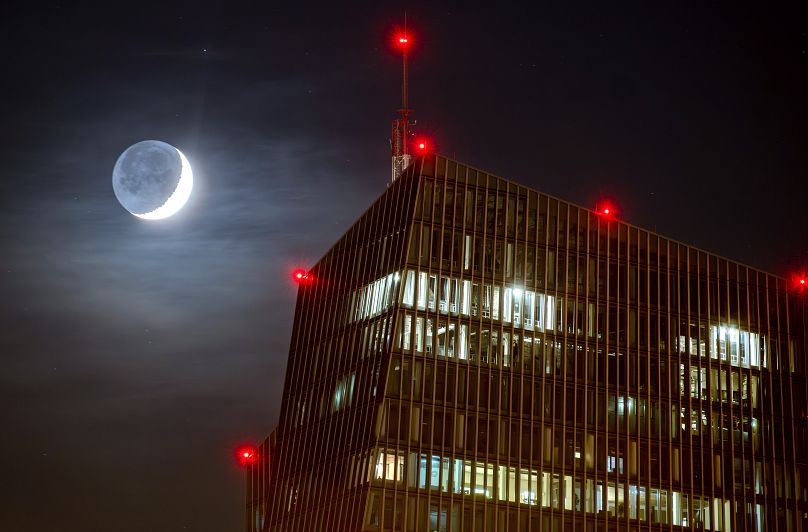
(246, 455)
(300, 275)
(422, 146)
(402, 38)
(798, 281)
(606, 209)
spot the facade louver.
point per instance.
(258, 482)
(476, 355)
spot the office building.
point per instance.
(473, 354)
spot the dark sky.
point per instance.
(135, 355)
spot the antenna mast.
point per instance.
(399, 140)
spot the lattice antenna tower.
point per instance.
(400, 136)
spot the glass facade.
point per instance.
(258, 483)
(476, 355)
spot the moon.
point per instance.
(152, 180)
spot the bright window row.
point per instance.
(741, 348)
(530, 487)
(373, 299)
(524, 308)
(466, 342)
(527, 310)
(543, 312)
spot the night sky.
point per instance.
(134, 355)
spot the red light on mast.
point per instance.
(422, 146)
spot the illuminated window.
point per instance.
(463, 348)
(432, 291)
(487, 301)
(419, 335)
(407, 333)
(466, 299)
(409, 289)
(529, 306)
(422, 290)
(549, 322)
(444, 295)
(507, 304)
(389, 466)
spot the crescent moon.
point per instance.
(178, 198)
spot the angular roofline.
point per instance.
(419, 160)
(438, 155)
(406, 174)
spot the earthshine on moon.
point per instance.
(152, 180)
